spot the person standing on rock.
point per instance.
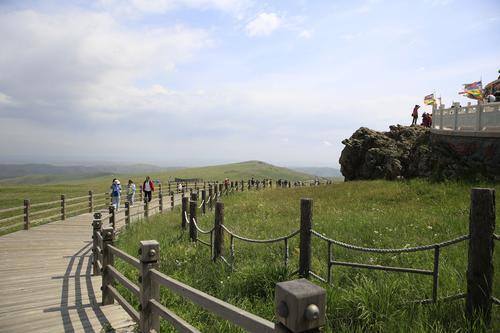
(148, 188)
(414, 114)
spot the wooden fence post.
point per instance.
(480, 256)
(203, 201)
(159, 190)
(184, 209)
(300, 306)
(141, 194)
(305, 237)
(172, 201)
(242, 185)
(63, 207)
(218, 231)
(160, 201)
(169, 188)
(146, 209)
(26, 214)
(91, 201)
(107, 260)
(193, 233)
(127, 214)
(112, 216)
(210, 195)
(149, 289)
(96, 228)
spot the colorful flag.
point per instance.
(429, 100)
(473, 90)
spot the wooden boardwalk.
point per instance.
(46, 282)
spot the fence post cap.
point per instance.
(149, 251)
(300, 305)
(108, 234)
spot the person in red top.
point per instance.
(414, 114)
(148, 187)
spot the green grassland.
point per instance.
(40, 188)
(367, 213)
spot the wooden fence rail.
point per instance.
(31, 214)
(300, 305)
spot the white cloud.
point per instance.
(306, 34)
(137, 7)
(327, 143)
(81, 64)
(263, 25)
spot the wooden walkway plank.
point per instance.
(46, 283)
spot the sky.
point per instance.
(198, 82)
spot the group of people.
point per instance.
(426, 117)
(116, 191)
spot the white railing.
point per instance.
(483, 118)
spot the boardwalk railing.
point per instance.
(481, 118)
(31, 214)
(300, 305)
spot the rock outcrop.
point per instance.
(410, 152)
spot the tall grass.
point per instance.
(369, 213)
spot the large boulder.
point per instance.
(412, 151)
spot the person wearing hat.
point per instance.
(414, 114)
(116, 190)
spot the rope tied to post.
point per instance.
(201, 230)
(262, 241)
(389, 250)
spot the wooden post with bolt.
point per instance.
(193, 233)
(218, 231)
(149, 252)
(146, 209)
(127, 214)
(26, 214)
(203, 201)
(91, 201)
(96, 228)
(107, 260)
(185, 202)
(480, 256)
(63, 207)
(305, 237)
(160, 201)
(112, 216)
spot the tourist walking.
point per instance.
(115, 190)
(414, 114)
(148, 187)
(131, 188)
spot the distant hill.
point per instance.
(319, 171)
(50, 174)
(47, 173)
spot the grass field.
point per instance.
(368, 213)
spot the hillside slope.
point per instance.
(41, 188)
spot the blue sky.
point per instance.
(194, 82)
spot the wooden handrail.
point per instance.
(242, 318)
